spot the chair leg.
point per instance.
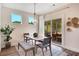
(42, 51)
(50, 50)
(46, 48)
(36, 49)
(25, 53)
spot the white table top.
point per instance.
(38, 38)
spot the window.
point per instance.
(16, 18)
(31, 20)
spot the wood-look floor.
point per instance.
(7, 52)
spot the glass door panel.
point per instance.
(47, 27)
(56, 30)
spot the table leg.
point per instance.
(32, 42)
(35, 47)
(34, 52)
(25, 53)
(18, 45)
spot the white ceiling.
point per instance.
(41, 8)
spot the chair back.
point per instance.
(47, 34)
(35, 34)
(26, 36)
(47, 41)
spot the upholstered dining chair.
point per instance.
(44, 44)
(26, 36)
(35, 35)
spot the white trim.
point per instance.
(63, 30)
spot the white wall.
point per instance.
(41, 25)
(17, 34)
(70, 39)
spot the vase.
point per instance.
(7, 45)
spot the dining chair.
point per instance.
(27, 38)
(35, 35)
(44, 44)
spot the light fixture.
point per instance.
(53, 5)
(34, 12)
(32, 19)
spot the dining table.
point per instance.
(37, 40)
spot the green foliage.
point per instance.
(58, 24)
(17, 22)
(47, 26)
(7, 30)
(54, 24)
(31, 22)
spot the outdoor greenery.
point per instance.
(18, 22)
(55, 24)
(47, 26)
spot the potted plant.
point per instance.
(7, 30)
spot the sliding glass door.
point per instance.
(47, 27)
(56, 30)
(54, 27)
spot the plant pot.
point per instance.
(8, 44)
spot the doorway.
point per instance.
(54, 28)
(57, 31)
